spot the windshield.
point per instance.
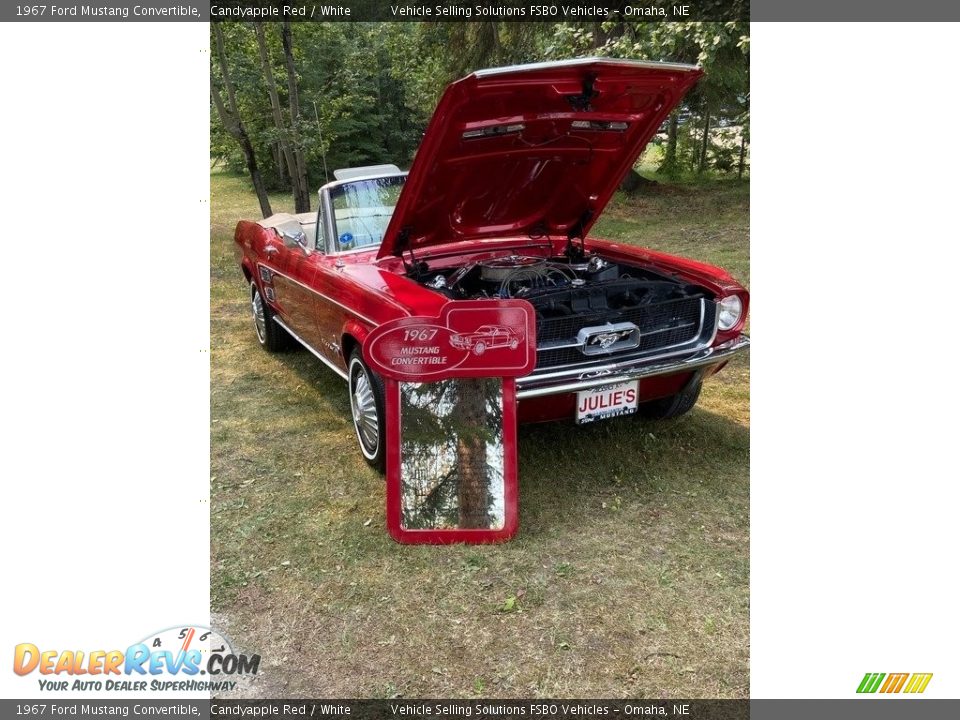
(362, 210)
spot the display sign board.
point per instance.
(471, 338)
(451, 419)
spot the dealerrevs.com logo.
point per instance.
(910, 683)
(183, 659)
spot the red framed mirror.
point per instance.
(452, 460)
(451, 419)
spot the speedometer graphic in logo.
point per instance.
(207, 649)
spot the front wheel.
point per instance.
(367, 408)
(672, 406)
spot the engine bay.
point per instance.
(558, 286)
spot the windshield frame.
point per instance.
(330, 222)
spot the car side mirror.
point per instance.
(295, 238)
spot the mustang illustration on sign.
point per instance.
(514, 169)
(485, 337)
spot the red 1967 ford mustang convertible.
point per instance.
(514, 168)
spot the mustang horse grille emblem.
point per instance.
(608, 338)
(605, 340)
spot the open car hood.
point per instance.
(531, 149)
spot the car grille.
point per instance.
(667, 325)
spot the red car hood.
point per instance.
(531, 149)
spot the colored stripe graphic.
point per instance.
(918, 682)
(894, 682)
(870, 682)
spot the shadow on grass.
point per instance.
(568, 473)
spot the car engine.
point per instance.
(560, 287)
(583, 294)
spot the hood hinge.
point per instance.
(582, 102)
(403, 239)
(414, 267)
(577, 231)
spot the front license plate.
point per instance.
(607, 401)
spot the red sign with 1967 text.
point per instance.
(474, 338)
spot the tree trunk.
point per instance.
(669, 165)
(606, 30)
(486, 44)
(599, 38)
(302, 195)
(705, 141)
(275, 106)
(743, 149)
(230, 118)
(473, 492)
(278, 162)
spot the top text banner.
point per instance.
(375, 10)
(476, 10)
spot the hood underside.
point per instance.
(531, 150)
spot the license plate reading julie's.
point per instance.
(607, 402)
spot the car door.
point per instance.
(330, 312)
(295, 271)
(328, 285)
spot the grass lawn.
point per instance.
(629, 576)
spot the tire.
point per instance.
(672, 406)
(271, 336)
(367, 410)
(480, 348)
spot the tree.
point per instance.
(669, 166)
(230, 118)
(474, 486)
(722, 96)
(301, 195)
(370, 88)
(302, 188)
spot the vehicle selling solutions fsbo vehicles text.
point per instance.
(596, 12)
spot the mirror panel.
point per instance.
(452, 456)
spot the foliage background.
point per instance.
(365, 91)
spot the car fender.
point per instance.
(353, 334)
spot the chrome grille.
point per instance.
(663, 326)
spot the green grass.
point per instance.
(630, 574)
(707, 221)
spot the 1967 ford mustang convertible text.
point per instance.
(513, 170)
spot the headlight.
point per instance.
(731, 308)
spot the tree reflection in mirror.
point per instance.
(451, 454)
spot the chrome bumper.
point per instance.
(533, 386)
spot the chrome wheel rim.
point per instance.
(363, 405)
(259, 315)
